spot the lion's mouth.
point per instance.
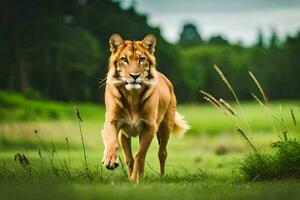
(133, 86)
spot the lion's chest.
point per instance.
(131, 126)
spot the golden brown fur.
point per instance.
(140, 101)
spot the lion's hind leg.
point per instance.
(163, 137)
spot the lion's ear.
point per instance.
(149, 43)
(115, 42)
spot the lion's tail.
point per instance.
(180, 125)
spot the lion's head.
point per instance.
(132, 63)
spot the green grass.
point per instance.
(16, 107)
(194, 170)
(202, 117)
(155, 190)
(205, 164)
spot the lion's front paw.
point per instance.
(110, 159)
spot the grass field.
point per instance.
(204, 164)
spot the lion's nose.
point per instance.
(135, 75)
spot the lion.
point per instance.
(140, 101)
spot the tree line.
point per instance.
(274, 62)
(58, 49)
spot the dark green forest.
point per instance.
(58, 50)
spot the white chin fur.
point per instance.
(131, 86)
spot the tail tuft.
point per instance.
(180, 126)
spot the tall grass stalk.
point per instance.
(49, 153)
(224, 79)
(293, 117)
(276, 120)
(243, 134)
(69, 158)
(64, 167)
(262, 92)
(212, 99)
(220, 104)
(224, 107)
(122, 166)
(221, 74)
(153, 169)
(81, 135)
(227, 106)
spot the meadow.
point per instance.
(204, 164)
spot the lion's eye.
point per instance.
(124, 59)
(142, 59)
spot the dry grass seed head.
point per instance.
(78, 114)
(227, 106)
(211, 97)
(214, 104)
(259, 87)
(243, 134)
(219, 71)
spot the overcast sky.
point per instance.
(237, 20)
